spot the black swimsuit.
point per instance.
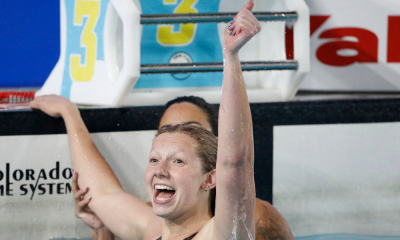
(188, 238)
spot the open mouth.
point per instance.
(163, 193)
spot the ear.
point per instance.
(210, 181)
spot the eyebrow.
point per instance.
(170, 155)
(185, 123)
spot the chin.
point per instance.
(162, 212)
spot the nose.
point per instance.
(162, 170)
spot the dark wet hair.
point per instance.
(209, 110)
(207, 146)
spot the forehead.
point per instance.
(175, 142)
(185, 112)
(174, 138)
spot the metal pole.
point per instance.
(216, 67)
(212, 17)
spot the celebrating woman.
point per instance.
(183, 170)
(270, 224)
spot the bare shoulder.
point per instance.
(153, 230)
(270, 224)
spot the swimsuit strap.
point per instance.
(188, 238)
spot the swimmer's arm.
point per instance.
(235, 181)
(86, 159)
(124, 214)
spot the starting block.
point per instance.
(100, 60)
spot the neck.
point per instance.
(185, 226)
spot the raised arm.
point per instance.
(125, 215)
(235, 181)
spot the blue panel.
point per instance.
(205, 47)
(30, 42)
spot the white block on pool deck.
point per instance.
(109, 68)
(339, 178)
(50, 211)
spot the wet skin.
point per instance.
(173, 163)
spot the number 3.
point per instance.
(89, 9)
(165, 34)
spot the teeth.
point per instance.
(163, 187)
(162, 199)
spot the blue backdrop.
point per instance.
(30, 44)
(29, 41)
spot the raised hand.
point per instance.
(241, 29)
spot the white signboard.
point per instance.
(355, 45)
(35, 181)
(338, 179)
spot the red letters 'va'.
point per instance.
(366, 47)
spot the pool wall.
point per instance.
(30, 140)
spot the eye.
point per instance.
(178, 161)
(153, 160)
